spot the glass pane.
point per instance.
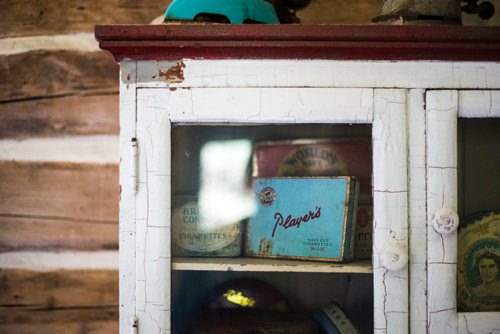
(219, 282)
(479, 209)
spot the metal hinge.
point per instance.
(133, 163)
(133, 324)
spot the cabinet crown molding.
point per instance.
(335, 42)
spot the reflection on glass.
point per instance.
(224, 197)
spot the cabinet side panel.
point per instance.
(442, 109)
(417, 211)
(390, 208)
(127, 231)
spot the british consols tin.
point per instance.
(479, 263)
(191, 238)
(308, 218)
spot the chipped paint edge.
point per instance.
(322, 73)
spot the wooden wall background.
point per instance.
(59, 162)
(59, 165)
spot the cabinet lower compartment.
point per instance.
(194, 295)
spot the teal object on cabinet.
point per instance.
(311, 218)
(233, 11)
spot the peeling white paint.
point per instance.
(479, 103)
(441, 145)
(127, 228)
(325, 73)
(267, 105)
(443, 108)
(390, 208)
(414, 165)
(475, 323)
(417, 211)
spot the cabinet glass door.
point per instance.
(463, 203)
(185, 134)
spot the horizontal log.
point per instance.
(339, 12)
(31, 17)
(60, 260)
(100, 149)
(49, 234)
(65, 302)
(80, 114)
(20, 315)
(59, 191)
(43, 74)
(33, 290)
(62, 327)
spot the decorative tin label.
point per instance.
(479, 263)
(311, 218)
(313, 160)
(290, 221)
(267, 196)
(189, 233)
(316, 157)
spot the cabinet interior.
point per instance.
(305, 290)
(478, 191)
(478, 165)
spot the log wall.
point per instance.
(59, 202)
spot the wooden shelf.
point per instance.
(269, 265)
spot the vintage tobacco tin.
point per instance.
(316, 157)
(479, 263)
(190, 238)
(309, 218)
(364, 230)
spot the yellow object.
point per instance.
(236, 297)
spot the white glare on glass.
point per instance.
(224, 196)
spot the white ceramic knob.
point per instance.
(445, 221)
(394, 258)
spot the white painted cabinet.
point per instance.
(410, 109)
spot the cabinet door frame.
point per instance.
(158, 108)
(443, 108)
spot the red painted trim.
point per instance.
(351, 42)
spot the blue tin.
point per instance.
(307, 218)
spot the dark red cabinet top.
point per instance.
(340, 42)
